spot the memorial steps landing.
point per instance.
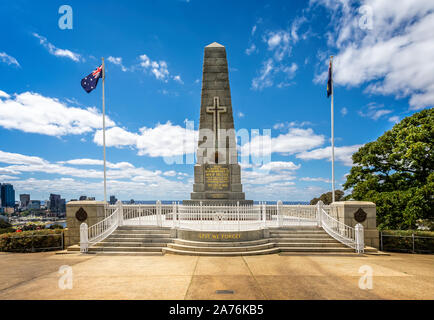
(148, 240)
(134, 240)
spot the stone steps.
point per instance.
(316, 249)
(140, 235)
(146, 240)
(204, 249)
(220, 244)
(142, 232)
(310, 244)
(305, 240)
(220, 254)
(130, 244)
(137, 239)
(126, 253)
(124, 249)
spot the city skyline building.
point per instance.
(7, 195)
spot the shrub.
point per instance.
(56, 226)
(402, 241)
(4, 224)
(29, 241)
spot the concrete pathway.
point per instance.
(36, 276)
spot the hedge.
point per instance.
(31, 241)
(402, 241)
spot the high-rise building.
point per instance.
(34, 204)
(25, 200)
(57, 204)
(7, 195)
(113, 200)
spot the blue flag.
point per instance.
(330, 80)
(90, 82)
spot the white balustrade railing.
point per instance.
(349, 236)
(238, 217)
(99, 231)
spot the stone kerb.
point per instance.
(94, 212)
(344, 211)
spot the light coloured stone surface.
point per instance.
(345, 213)
(215, 85)
(95, 213)
(35, 276)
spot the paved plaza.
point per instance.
(36, 276)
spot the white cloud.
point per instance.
(374, 111)
(264, 79)
(4, 95)
(325, 180)
(139, 181)
(178, 79)
(344, 111)
(394, 119)
(158, 69)
(34, 113)
(117, 61)
(296, 140)
(115, 137)
(97, 162)
(52, 49)
(342, 154)
(5, 58)
(251, 49)
(279, 166)
(240, 114)
(395, 57)
(164, 140)
(253, 30)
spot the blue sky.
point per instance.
(278, 51)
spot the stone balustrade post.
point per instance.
(353, 212)
(84, 240)
(120, 213)
(279, 213)
(319, 208)
(360, 243)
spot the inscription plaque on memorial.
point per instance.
(217, 177)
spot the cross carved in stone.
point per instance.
(216, 109)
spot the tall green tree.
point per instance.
(327, 198)
(397, 172)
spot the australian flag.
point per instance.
(330, 80)
(90, 82)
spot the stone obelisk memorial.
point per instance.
(217, 174)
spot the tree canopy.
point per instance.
(326, 198)
(396, 172)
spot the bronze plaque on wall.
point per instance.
(360, 215)
(81, 215)
(217, 177)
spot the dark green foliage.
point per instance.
(4, 224)
(30, 241)
(402, 241)
(56, 226)
(327, 197)
(396, 172)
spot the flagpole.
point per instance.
(103, 131)
(333, 134)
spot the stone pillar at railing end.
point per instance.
(319, 212)
(77, 212)
(353, 212)
(279, 213)
(84, 240)
(120, 213)
(360, 241)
